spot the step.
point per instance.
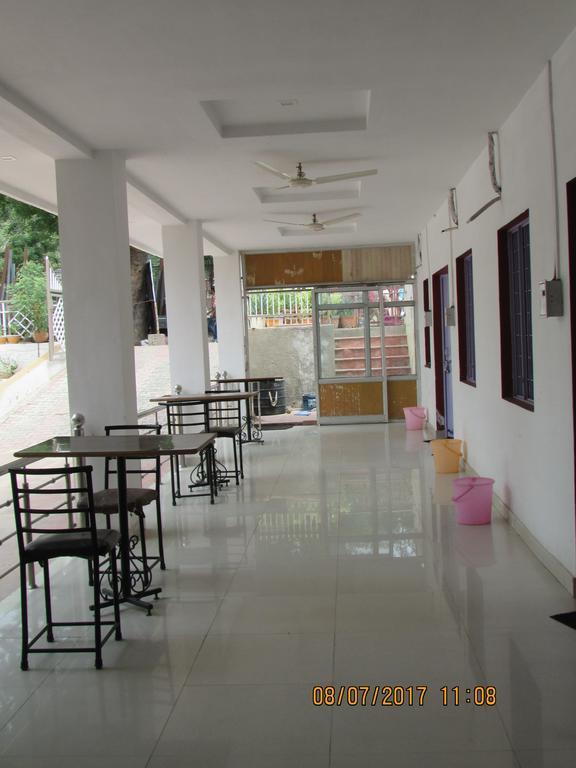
(356, 342)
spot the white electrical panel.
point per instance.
(551, 300)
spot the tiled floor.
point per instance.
(336, 563)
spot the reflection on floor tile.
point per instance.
(336, 563)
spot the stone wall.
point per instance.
(286, 351)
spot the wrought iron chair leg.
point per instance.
(48, 602)
(241, 456)
(97, 628)
(24, 609)
(115, 596)
(236, 470)
(160, 534)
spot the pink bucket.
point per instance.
(416, 417)
(473, 499)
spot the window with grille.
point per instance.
(516, 312)
(466, 341)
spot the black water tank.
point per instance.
(272, 397)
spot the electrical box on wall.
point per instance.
(450, 316)
(551, 301)
(427, 318)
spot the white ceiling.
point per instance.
(433, 78)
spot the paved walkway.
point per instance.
(43, 412)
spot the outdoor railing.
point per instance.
(289, 307)
(155, 413)
(12, 321)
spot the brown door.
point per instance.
(571, 201)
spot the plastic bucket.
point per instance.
(447, 454)
(416, 417)
(473, 499)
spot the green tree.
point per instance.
(23, 227)
(28, 294)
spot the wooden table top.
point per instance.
(124, 446)
(204, 397)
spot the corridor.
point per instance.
(336, 563)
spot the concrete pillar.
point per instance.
(186, 306)
(229, 315)
(94, 247)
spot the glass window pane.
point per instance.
(399, 292)
(342, 346)
(340, 297)
(374, 297)
(399, 341)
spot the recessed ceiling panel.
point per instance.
(343, 229)
(349, 190)
(325, 112)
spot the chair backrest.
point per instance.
(186, 416)
(153, 468)
(225, 413)
(45, 501)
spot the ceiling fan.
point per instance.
(315, 225)
(300, 180)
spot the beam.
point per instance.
(40, 130)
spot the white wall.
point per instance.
(530, 455)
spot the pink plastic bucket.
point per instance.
(473, 499)
(416, 417)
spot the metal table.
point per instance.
(251, 384)
(205, 399)
(123, 448)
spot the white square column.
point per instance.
(185, 285)
(94, 246)
(229, 315)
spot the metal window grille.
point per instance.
(520, 302)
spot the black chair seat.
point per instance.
(225, 431)
(51, 545)
(106, 501)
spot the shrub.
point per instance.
(8, 366)
(28, 294)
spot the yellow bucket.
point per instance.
(447, 455)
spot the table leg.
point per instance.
(127, 595)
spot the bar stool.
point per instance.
(40, 543)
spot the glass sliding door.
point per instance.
(349, 355)
(399, 336)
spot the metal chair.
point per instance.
(106, 502)
(225, 421)
(39, 542)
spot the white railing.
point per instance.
(282, 307)
(14, 322)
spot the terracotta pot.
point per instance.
(40, 337)
(13, 339)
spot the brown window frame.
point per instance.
(511, 357)
(466, 330)
(427, 343)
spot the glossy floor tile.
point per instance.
(334, 570)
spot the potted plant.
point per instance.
(8, 367)
(348, 318)
(28, 296)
